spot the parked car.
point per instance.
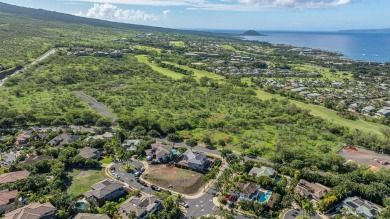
(149, 158)
(184, 204)
(155, 188)
(142, 183)
(137, 174)
(142, 169)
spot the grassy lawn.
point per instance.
(127, 168)
(107, 160)
(228, 47)
(198, 73)
(164, 71)
(177, 43)
(148, 48)
(83, 179)
(329, 115)
(338, 76)
(315, 110)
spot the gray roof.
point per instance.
(360, 207)
(263, 171)
(91, 216)
(63, 139)
(32, 211)
(88, 152)
(132, 142)
(103, 188)
(195, 157)
(140, 206)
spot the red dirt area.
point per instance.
(366, 157)
(179, 180)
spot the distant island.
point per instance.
(385, 30)
(252, 33)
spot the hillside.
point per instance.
(252, 33)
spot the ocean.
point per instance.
(373, 47)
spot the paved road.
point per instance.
(96, 105)
(294, 213)
(44, 56)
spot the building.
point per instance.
(91, 216)
(33, 211)
(249, 191)
(384, 112)
(8, 200)
(105, 190)
(34, 159)
(359, 207)
(141, 206)
(63, 139)
(196, 160)
(132, 144)
(105, 136)
(311, 190)
(116, 54)
(162, 153)
(13, 176)
(256, 172)
(23, 138)
(89, 153)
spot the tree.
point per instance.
(109, 208)
(191, 142)
(132, 215)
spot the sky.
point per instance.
(297, 15)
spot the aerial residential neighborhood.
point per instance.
(109, 112)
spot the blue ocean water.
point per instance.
(357, 46)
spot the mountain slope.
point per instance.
(56, 16)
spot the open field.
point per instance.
(148, 48)
(164, 71)
(228, 47)
(83, 179)
(338, 76)
(183, 181)
(198, 73)
(315, 110)
(329, 115)
(177, 43)
(363, 156)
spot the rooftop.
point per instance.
(13, 176)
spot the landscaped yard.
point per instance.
(83, 179)
(107, 160)
(164, 71)
(181, 180)
(177, 43)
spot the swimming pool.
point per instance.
(265, 196)
(80, 205)
(175, 152)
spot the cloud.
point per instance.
(234, 5)
(108, 11)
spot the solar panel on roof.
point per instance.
(353, 205)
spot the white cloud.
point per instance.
(233, 5)
(108, 11)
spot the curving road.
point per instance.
(41, 58)
(96, 105)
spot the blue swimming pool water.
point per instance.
(80, 205)
(278, 180)
(175, 152)
(265, 196)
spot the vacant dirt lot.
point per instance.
(366, 157)
(183, 181)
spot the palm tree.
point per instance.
(180, 198)
(132, 215)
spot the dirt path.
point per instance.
(96, 105)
